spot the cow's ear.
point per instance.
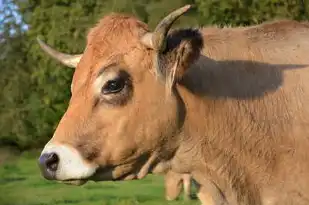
(183, 49)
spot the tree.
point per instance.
(14, 78)
(36, 89)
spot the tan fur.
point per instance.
(174, 183)
(237, 117)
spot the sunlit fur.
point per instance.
(237, 117)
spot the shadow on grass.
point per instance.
(67, 201)
(103, 187)
(7, 180)
(120, 198)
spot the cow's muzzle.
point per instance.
(63, 162)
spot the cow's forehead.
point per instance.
(115, 39)
(115, 33)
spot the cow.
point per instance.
(227, 105)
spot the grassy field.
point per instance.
(21, 184)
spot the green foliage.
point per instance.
(248, 12)
(14, 80)
(36, 89)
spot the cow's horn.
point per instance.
(157, 39)
(66, 59)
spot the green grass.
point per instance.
(22, 184)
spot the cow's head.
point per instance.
(124, 112)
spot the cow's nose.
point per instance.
(48, 163)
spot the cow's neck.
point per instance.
(204, 132)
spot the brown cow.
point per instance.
(228, 105)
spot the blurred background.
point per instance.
(35, 89)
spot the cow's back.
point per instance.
(252, 86)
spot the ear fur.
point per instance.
(183, 49)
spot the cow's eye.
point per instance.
(113, 86)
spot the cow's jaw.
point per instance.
(118, 173)
(71, 167)
(128, 171)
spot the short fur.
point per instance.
(237, 119)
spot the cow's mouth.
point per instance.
(135, 169)
(103, 174)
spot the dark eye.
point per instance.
(113, 86)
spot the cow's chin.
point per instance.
(118, 173)
(126, 177)
(112, 174)
(130, 171)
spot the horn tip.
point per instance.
(188, 7)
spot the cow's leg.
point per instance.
(205, 197)
(209, 194)
(187, 186)
(173, 185)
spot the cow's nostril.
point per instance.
(48, 163)
(52, 162)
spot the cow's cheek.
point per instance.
(142, 126)
(114, 141)
(156, 123)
